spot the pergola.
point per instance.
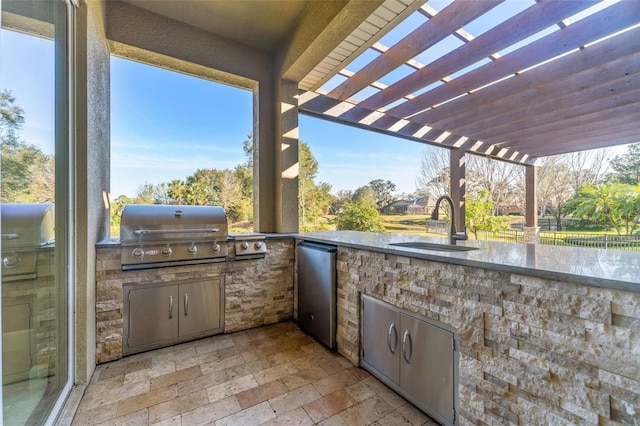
(544, 78)
(509, 80)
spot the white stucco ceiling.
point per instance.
(262, 24)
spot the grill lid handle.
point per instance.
(174, 231)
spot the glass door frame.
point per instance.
(64, 107)
(65, 187)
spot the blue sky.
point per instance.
(165, 125)
(30, 79)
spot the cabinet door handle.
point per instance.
(406, 337)
(392, 327)
(170, 307)
(186, 304)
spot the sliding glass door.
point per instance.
(35, 213)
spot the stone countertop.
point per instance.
(114, 242)
(614, 269)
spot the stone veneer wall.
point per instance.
(533, 351)
(41, 294)
(257, 292)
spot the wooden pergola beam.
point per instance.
(457, 183)
(531, 200)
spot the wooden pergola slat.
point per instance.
(528, 22)
(428, 34)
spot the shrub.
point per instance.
(359, 216)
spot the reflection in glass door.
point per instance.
(34, 223)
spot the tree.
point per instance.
(479, 217)
(359, 216)
(28, 175)
(614, 203)
(626, 167)
(502, 180)
(43, 178)
(561, 176)
(211, 187)
(313, 198)
(116, 208)
(433, 176)
(383, 190)
(149, 193)
(553, 187)
(365, 195)
(338, 200)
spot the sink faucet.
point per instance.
(453, 235)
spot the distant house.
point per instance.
(422, 205)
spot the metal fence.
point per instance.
(554, 238)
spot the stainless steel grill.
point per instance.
(25, 229)
(155, 235)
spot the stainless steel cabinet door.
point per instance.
(199, 307)
(153, 315)
(381, 337)
(317, 291)
(16, 342)
(426, 358)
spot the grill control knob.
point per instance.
(258, 245)
(192, 250)
(215, 248)
(244, 245)
(166, 251)
(137, 253)
(11, 261)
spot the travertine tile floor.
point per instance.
(274, 375)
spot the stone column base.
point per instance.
(532, 234)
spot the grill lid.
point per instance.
(27, 225)
(145, 223)
(154, 235)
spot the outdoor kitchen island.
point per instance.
(547, 335)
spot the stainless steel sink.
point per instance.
(433, 246)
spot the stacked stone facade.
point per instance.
(532, 351)
(257, 292)
(46, 304)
